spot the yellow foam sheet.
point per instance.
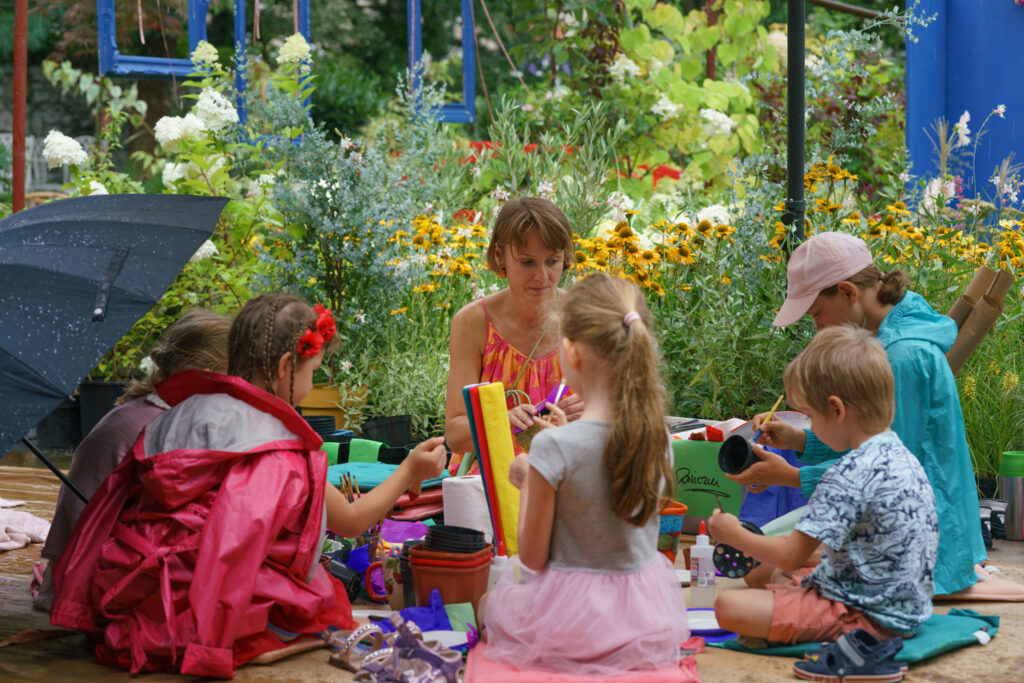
(498, 431)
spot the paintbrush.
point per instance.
(768, 417)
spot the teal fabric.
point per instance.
(371, 474)
(941, 633)
(930, 423)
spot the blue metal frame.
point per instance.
(113, 63)
(451, 112)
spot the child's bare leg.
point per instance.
(748, 612)
(480, 607)
(763, 574)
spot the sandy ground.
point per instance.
(70, 658)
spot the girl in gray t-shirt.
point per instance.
(600, 599)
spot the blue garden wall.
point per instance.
(970, 58)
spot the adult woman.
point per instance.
(833, 279)
(506, 336)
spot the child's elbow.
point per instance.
(532, 560)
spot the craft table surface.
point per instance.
(70, 659)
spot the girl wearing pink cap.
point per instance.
(833, 279)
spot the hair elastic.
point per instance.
(630, 317)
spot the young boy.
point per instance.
(873, 511)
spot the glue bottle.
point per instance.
(702, 571)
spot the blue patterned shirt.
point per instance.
(874, 511)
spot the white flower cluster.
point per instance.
(205, 56)
(623, 67)
(294, 51)
(716, 123)
(1008, 189)
(558, 93)
(205, 251)
(264, 180)
(963, 133)
(666, 108)
(59, 149)
(545, 189)
(188, 170)
(170, 130)
(96, 187)
(215, 110)
(716, 214)
(779, 41)
(937, 193)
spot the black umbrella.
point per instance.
(75, 275)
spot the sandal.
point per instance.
(854, 656)
(408, 659)
(349, 656)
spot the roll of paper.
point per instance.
(982, 318)
(465, 504)
(961, 308)
(980, 283)
(1001, 285)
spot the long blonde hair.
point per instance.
(594, 313)
(198, 340)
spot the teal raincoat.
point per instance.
(931, 425)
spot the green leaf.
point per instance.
(666, 18)
(691, 67)
(634, 38)
(727, 53)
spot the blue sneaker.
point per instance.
(854, 656)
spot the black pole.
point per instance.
(53, 468)
(795, 204)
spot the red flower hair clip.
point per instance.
(314, 338)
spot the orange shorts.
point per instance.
(804, 615)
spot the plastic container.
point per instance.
(736, 455)
(497, 567)
(395, 430)
(1010, 485)
(457, 584)
(702, 571)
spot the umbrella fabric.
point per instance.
(75, 275)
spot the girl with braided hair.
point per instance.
(200, 551)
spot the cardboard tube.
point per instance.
(981, 320)
(1001, 285)
(980, 283)
(961, 308)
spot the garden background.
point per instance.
(659, 128)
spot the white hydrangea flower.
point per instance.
(963, 133)
(264, 180)
(96, 187)
(214, 110)
(172, 173)
(666, 108)
(205, 56)
(294, 51)
(147, 365)
(682, 218)
(779, 41)
(192, 126)
(60, 150)
(170, 130)
(716, 123)
(716, 214)
(935, 189)
(205, 251)
(623, 67)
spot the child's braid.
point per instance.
(268, 345)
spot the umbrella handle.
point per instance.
(53, 468)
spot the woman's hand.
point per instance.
(779, 434)
(572, 406)
(519, 470)
(521, 416)
(773, 470)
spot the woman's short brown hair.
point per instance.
(519, 217)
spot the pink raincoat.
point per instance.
(206, 535)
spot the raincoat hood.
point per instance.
(913, 319)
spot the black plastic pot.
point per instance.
(96, 399)
(395, 430)
(62, 428)
(735, 455)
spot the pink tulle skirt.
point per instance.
(584, 622)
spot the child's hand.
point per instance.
(426, 460)
(772, 470)
(555, 417)
(572, 406)
(521, 416)
(779, 434)
(519, 471)
(725, 528)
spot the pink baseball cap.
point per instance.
(823, 260)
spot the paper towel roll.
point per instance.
(465, 504)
